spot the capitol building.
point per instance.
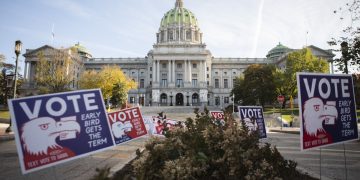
(179, 70)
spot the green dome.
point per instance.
(81, 50)
(277, 51)
(178, 15)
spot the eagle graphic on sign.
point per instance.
(316, 112)
(39, 135)
(119, 129)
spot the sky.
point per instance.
(127, 28)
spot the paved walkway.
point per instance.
(84, 168)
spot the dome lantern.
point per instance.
(179, 4)
(179, 25)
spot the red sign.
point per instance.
(127, 124)
(217, 115)
(281, 98)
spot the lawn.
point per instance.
(286, 113)
(4, 114)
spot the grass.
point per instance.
(286, 113)
(4, 114)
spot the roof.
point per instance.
(179, 15)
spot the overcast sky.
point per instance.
(127, 28)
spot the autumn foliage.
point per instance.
(114, 84)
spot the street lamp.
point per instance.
(345, 54)
(187, 99)
(233, 101)
(18, 46)
(171, 104)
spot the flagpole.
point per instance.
(52, 34)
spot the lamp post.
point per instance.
(187, 99)
(233, 100)
(18, 46)
(171, 104)
(345, 55)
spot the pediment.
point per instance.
(34, 52)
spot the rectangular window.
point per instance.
(208, 83)
(217, 101)
(142, 83)
(234, 80)
(226, 100)
(188, 35)
(194, 82)
(194, 75)
(150, 68)
(164, 65)
(194, 66)
(179, 83)
(226, 83)
(163, 75)
(179, 66)
(207, 75)
(217, 85)
(207, 68)
(150, 75)
(132, 99)
(164, 83)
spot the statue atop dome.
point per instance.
(179, 4)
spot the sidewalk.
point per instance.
(4, 124)
(290, 130)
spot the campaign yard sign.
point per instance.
(155, 125)
(127, 124)
(327, 109)
(219, 116)
(253, 117)
(55, 128)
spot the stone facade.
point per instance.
(179, 70)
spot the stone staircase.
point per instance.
(173, 112)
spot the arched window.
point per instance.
(163, 98)
(195, 98)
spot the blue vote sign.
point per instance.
(56, 128)
(327, 109)
(253, 118)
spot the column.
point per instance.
(173, 70)
(189, 74)
(201, 67)
(185, 71)
(169, 71)
(205, 72)
(165, 36)
(154, 71)
(25, 71)
(158, 71)
(192, 36)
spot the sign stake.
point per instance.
(345, 161)
(320, 163)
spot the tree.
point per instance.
(2, 60)
(56, 70)
(6, 85)
(114, 84)
(206, 150)
(257, 86)
(351, 38)
(298, 61)
(356, 78)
